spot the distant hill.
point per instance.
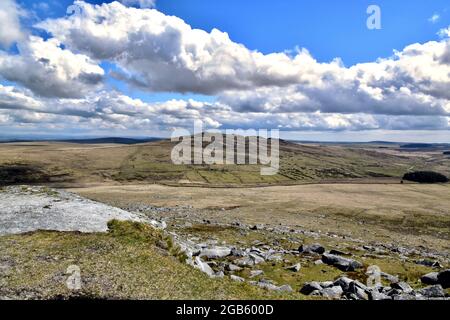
(106, 140)
(115, 140)
(132, 160)
(383, 142)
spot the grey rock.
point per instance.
(389, 277)
(315, 293)
(233, 268)
(341, 263)
(444, 278)
(310, 287)
(21, 210)
(237, 252)
(274, 257)
(244, 262)
(403, 286)
(203, 267)
(256, 258)
(256, 250)
(215, 253)
(361, 285)
(435, 291)
(294, 268)
(339, 253)
(394, 292)
(256, 273)
(351, 296)
(429, 263)
(385, 290)
(236, 278)
(313, 248)
(326, 284)
(267, 285)
(343, 282)
(375, 295)
(361, 294)
(430, 278)
(285, 288)
(404, 296)
(357, 290)
(400, 250)
(332, 292)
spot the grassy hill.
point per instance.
(62, 162)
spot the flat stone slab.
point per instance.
(24, 209)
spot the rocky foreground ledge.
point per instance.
(346, 261)
(28, 208)
(221, 261)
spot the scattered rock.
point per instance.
(341, 263)
(389, 277)
(256, 258)
(435, 291)
(158, 225)
(429, 263)
(375, 295)
(444, 278)
(339, 253)
(237, 252)
(274, 257)
(233, 268)
(394, 292)
(313, 248)
(244, 262)
(255, 273)
(236, 278)
(203, 267)
(294, 268)
(361, 294)
(215, 253)
(310, 287)
(403, 286)
(267, 285)
(326, 284)
(430, 278)
(343, 282)
(285, 288)
(219, 274)
(332, 292)
(404, 296)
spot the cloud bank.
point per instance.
(61, 78)
(10, 29)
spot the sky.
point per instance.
(312, 69)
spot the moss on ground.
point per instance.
(125, 263)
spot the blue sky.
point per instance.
(327, 29)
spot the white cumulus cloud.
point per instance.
(10, 28)
(49, 70)
(59, 80)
